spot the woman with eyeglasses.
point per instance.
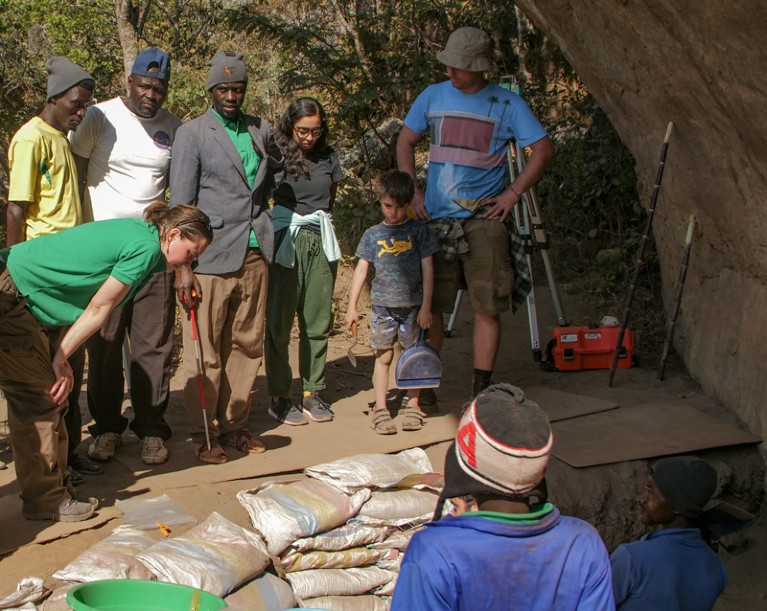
(74, 277)
(302, 277)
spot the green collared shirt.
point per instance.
(251, 160)
(536, 514)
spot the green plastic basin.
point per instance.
(138, 595)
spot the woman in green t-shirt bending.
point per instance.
(74, 277)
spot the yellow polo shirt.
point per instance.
(43, 173)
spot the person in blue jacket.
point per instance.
(516, 551)
(672, 568)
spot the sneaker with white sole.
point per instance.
(314, 407)
(104, 446)
(70, 510)
(153, 451)
(283, 410)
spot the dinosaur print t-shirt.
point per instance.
(395, 252)
(469, 134)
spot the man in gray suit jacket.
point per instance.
(224, 162)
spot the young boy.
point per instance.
(400, 250)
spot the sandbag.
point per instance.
(339, 559)
(391, 561)
(338, 582)
(371, 470)
(398, 507)
(266, 592)
(398, 540)
(343, 537)
(57, 601)
(217, 556)
(347, 603)
(282, 513)
(114, 557)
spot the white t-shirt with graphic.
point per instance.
(129, 159)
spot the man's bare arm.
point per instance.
(15, 222)
(408, 139)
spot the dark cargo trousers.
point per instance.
(148, 318)
(38, 434)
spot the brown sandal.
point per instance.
(214, 456)
(413, 419)
(244, 442)
(382, 422)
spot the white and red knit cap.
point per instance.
(504, 440)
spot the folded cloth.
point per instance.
(282, 218)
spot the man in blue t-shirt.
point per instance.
(471, 123)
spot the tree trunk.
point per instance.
(126, 30)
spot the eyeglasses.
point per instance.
(304, 132)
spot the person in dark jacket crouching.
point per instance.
(671, 568)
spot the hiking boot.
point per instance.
(104, 446)
(70, 510)
(84, 466)
(75, 478)
(316, 408)
(153, 451)
(285, 412)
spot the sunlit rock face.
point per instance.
(701, 64)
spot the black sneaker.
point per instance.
(283, 411)
(75, 478)
(316, 408)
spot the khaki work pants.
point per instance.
(230, 320)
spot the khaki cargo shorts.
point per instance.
(486, 270)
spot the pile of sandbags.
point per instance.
(216, 556)
(333, 540)
(338, 537)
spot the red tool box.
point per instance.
(591, 347)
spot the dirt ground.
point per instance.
(603, 495)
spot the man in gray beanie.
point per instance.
(123, 151)
(44, 198)
(224, 162)
(516, 551)
(672, 567)
(471, 122)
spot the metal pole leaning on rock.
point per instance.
(677, 297)
(640, 254)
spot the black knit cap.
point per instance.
(63, 74)
(227, 67)
(686, 482)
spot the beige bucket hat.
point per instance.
(467, 49)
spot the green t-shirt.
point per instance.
(60, 273)
(243, 142)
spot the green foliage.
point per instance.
(366, 60)
(354, 211)
(591, 205)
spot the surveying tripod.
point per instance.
(529, 224)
